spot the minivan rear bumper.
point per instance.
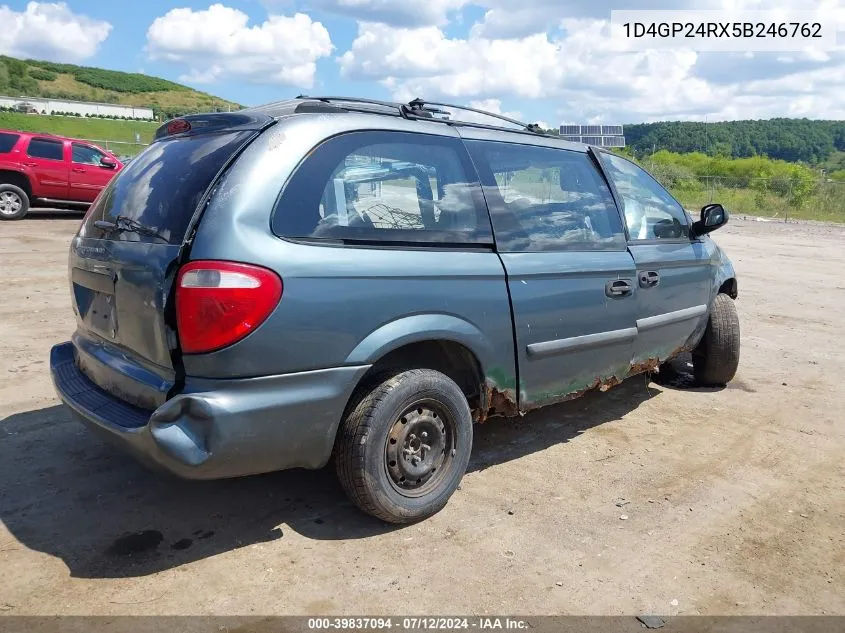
(218, 428)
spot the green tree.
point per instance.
(788, 139)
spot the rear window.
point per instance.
(7, 142)
(154, 198)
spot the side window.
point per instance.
(384, 186)
(7, 142)
(44, 148)
(651, 213)
(546, 199)
(86, 155)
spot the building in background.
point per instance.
(83, 108)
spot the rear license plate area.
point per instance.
(93, 294)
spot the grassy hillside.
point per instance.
(120, 134)
(34, 78)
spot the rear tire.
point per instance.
(14, 203)
(404, 446)
(716, 358)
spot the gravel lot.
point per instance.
(651, 498)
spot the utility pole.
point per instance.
(706, 153)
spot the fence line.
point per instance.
(132, 147)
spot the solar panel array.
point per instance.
(599, 135)
(613, 141)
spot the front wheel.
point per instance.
(404, 446)
(14, 203)
(716, 358)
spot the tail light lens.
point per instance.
(218, 303)
(177, 126)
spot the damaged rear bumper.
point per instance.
(218, 428)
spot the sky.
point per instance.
(547, 61)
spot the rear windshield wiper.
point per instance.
(125, 223)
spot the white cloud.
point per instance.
(50, 31)
(506, 23)
(424, 61)
(394, 12)
(218, 43)
(584, 74)
(494, 106)
(427, 63)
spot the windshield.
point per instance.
(154, 198)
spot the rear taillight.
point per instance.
(219, 303)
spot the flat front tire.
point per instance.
(716, 358)
(404, 446)
(14, 203)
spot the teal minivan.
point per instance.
(338, 277)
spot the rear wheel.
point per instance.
(716, 358)
(14, 203)
(404, 446)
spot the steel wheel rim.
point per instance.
(10, 202)
(419, 449)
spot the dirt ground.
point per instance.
(651, 498)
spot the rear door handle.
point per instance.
(649, 278)
(616, 288)
(31, 164)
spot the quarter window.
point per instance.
(44, 148)
(651, 213)
(86, 155)
(546, 199)
(386, 187)
(7, 142)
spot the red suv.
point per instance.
(54, 170)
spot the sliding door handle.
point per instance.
(616, 288)
(649, 279)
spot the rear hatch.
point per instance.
(125, 257)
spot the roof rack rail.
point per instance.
(415, 109)
(420, 105)
(397, 107)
